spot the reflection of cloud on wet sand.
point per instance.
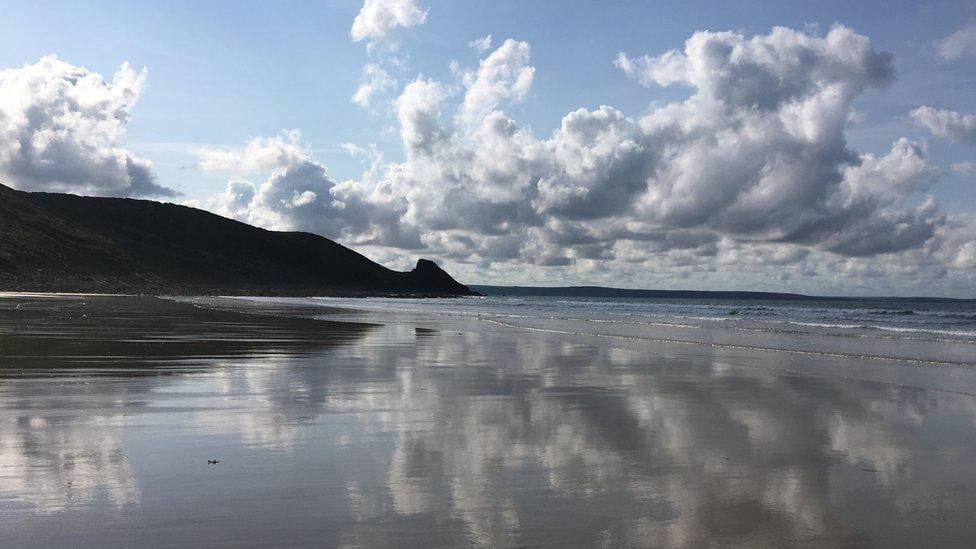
(488, 436)
(51, 466)
(78, 370)
(647, 454)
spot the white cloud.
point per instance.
(418, 111)
(504, 75)
(234, 201)
(958, 44)
(750, 174)
(870, 205)
(59, 130)
(375, 80)
(601, 165)
(299, 195)
(766, 71)
(947, 124)
(378, 18)
(955, 244)
(757, 153)
(481, 45)
(663, 70)
(259, 154)
(964, 168)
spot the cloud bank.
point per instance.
(752, 168)
(59, 129)
(750, 174)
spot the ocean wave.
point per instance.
(813, 352)
(961, 333)
(826, 325)
(775, 328)
(869, 322)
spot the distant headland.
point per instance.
(65, 243)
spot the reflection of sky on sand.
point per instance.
(50, 466)
(492, 436)
(504, 433)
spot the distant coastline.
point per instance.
(606, 292)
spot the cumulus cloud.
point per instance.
(964, 168)
(299, 195)
(766, 71)
(481, 45)
(946, 123)
(378, 18)
(752, 166)
(958, 44)
(376, 23)
(504, 75)
(756, 153)
(419, 112)
(955, 245)
(259, 154)
(870, 208)
(375, 80)
(59, 130)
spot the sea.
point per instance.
(918, 330)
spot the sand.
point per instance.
(378, 429)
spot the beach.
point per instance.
(450, 423)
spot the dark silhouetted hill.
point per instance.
(65, 243)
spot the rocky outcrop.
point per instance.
(64, 243)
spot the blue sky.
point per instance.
(221, 73)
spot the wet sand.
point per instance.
(391, 430)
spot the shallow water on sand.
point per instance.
(381, 429)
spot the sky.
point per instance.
(824, 147)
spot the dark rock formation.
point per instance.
(65, 243)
